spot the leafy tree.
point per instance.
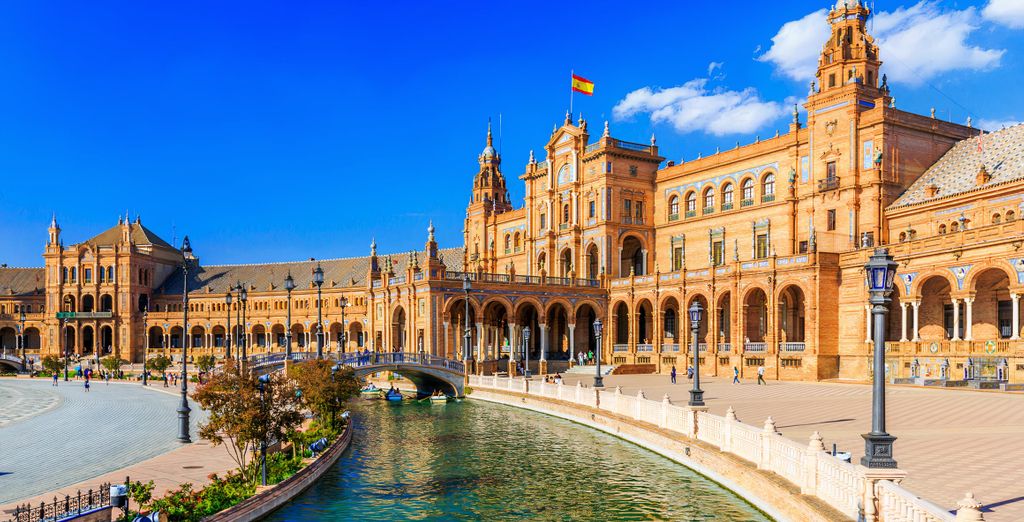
(158, 364)
(237, 417)
(325, 392)
(53, 364)
(205, 363)
(113, 363)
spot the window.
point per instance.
(627, 210)
(608, 167)
(508, 243)
(88, 275)
(632, 170)
(709, 199)
(761, 246)
(691, 203)
(639, 212)
(592, 209)
(942, 229)
(74, 274)
(673, 208)
(803, 247)
(996, 219)
(747, 190)
(831, 219)
(565, 213)
(516, 242)
(727, 197)
(718, 253)
(1010, 216)
(832, 80)
(677, 258)
(1005, 317)
(64, 275)
(543, 221)
(768, 188)
(830, 170)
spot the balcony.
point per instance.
(691, 213)
(702, 347)
(645, 348)
(767, 198)
(755, 347)
(671, 347)
(620, 347)
(709, 210)
(746, 202)
(827, 184)
(724, 347)
(792, 347)
(726, 206)
(673, 217)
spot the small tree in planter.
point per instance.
(323, 393)
(205, 363)
(52, 364)
(158, 364)
(113, 363)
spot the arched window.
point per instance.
(996, 219)
(516, 242)
(768, 188)
(110, 273)
(942, 229)
(903, 236)
(709, 199)
(691, 202)
(508, 242)
(954, 227)
(727, 196)
(1010, 216)
(673, 207)
(747, 190)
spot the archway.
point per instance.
(558, 332)
(632, 257)
(592, 262)
(755, 317)
(935, 314)
(702, 330)
(584, 340)
(992, 310)
(88, 340)
(177, 337)
(260, 343)
(621, 333)
(398, 333)
(88, 303)
(106, 303)
(791, 317)
(106, 345)
(670, 321)
(528, 317)
(9, 341)
(458, 325)
(565, 262)
(644, 325)
(198, 340)
(219, 338)
(298, 337)
(355, 336)
(336, 333)
(156, 337)
(724, 321)
(497, 338)
(69, 303)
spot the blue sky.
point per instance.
(281, 131)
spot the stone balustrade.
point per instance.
(843, 486)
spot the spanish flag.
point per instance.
(582, 85)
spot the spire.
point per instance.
(373, 246)
(568, 118)
(430, 231)
(489, 153)
(186, 245)
(654, 140)
(53, 221)
(606, 132)
(532, 159)
(490, 137)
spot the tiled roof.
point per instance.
(956, 172)
(338, 273)
(21, 281)
(139, 234)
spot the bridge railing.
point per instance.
(398, 358)
(809, 467)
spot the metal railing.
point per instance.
(792, 347)
(61, 509)
(830, 183)
(645, 347)
(400, 358)
(670, 347)
(702, 347)
(755, 347)
(521, 279)
(620, 347)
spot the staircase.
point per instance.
(590, 369)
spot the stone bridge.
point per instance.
(427, 372)
(10, 361)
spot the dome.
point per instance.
(489, 152)
(846, 4)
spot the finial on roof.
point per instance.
(581, 121)
(373, 246)
(796, 115)
(933, 113)
(568, 118)
(653, 140)
(430, 230)
(53, 221)
(490, 137)
(186, 246)
(606, 133)
(119, 219)
(138, 219)
(127, 217)
(969, 122)
(532, 159)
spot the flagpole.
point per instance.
(571, 74)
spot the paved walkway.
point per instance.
(948, 441)
(66, 439)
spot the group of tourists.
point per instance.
(735, 374)
(585, 357)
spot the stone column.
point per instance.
(543, 364)
(903, 321)
(917, 306)
(444, 351)
(1016, 316)
(867, 322)
(572, 342)
(480, 340)
(968, 335)
(956, 319)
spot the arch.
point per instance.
(498, 300)
(88, 339)
(708, 198)
(33, 339)
(942, 229)
(70, 338)
(644, 321)
(621, 323)
(156, 337)
(516, 242)
(541, 258)
(508, 243)
(198, 337)
(527, 315)
(335, 335)
(592, 261)
(583, 340)
(992, 310)
(106, 303)
(976, 273)
(747, 189)
(702, 328)
(791, 313)
(632, 257)
(673, 207)
(935, 311)
(356, 340)
(670, 319)
(723, 309)
(218, 332)
(298, 331)
(88, 303)
(69, 304)
(1010, 216)
(727, 195)
(8, 340)
(565, 213)
(565, 262)
(497, 336)
(106, 344)
(918, 283)
(176, 337)
(691, 202)
(997, 218)
(768, 186)
(755, 315)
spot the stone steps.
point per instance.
(589, 369)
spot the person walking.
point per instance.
(54, 378)
(87, 385)
(760, 375)
(735, 375)
(673, 374)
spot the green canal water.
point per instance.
(478, 461)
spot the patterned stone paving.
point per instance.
(17, 403)
(83, 435)
(948, 441)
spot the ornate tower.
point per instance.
(850, 55)
(490, 198)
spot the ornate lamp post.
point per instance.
(467, 355)
(696, 394)
(183, 409)
(243, 296)
(227, 335)
(343, 342)
(145, 345)
(880, 270)
(289, 285)
(262, 382)
(598, 378)
(64, 340)
(21, 332)
(318, 280)
(526, 351)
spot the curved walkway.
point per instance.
(62, 436)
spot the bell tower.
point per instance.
(489, 183)
(850, 56)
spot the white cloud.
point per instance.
(714, 65)
(996, 124)
(692, 107)
(917, 43)
(1006, 12)
(795, 48)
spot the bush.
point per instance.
(52, 363)
(158, 364)
(187, 505)
(113, 363)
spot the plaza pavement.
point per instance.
(64, 439)
(948, 441)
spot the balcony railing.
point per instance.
(523, 279)
(645, 347)
(691, 213)
(724, 347)
(746, 203)
(702, 347)
(754, 347)
(563, 226)
(670, 347)
(726, 206)
(767, 198)
(709, 210)
(627, 220)
(620, 347)
(827, 184)
(673, 217)
(792, 347)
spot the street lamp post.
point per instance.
(227, 334)
(238, 318)
(598, 378)
(467, 285)
(880, 270)
(696, 394)
(183, 409)
(318, 280)
(262, 383)
(64, 341)
(343, 342)
(289, 285)
(526, 351)
(21, 332)
(243, 297)
(145, 344)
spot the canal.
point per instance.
(478, 461)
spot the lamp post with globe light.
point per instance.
(696, 394)
(880, 271)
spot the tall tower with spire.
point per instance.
(850, 56)
(489, 184)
